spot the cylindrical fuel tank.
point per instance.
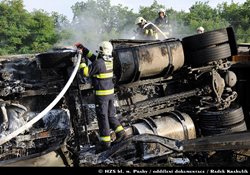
(175, 125)
(145, 60)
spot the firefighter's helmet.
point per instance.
(140, 20)
(200, 29)
(106, 48)
(161, 10)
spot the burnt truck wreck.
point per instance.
(177, 100)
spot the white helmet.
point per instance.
(161, 10)
(140, 20)
(106, 48)
(200, 29)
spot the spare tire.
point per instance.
(204, 56)
(206, 39)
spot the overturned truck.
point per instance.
(180, 102)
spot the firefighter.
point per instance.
(145, 30)
(101, 70)
(161, 21)
(200, 30)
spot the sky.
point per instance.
(64, 6)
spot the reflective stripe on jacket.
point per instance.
(102, 73)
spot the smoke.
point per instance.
(178, 29)
(84, 29)
(129, 32)
(90, 29)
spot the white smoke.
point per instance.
(86, 30)
(177, 29)
(90, 29)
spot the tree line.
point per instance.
(24, 32)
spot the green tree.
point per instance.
(239, 17)
(243, 31)
(13, 26)
(201, 14)
(42, 32)
(232, 13)
(24, 32)
(62, 26)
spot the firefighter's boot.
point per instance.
(120, 136)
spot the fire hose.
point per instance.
(156, 28)
(161, 32)
(47, 109)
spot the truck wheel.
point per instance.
(223, 118)
(204, 56)
(208, 44)
(206, 39)
(220, 122)
(226, 130)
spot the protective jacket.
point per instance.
(162, 23)
(102, 72)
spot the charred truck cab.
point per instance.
(177, 99)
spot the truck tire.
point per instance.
(204, 56)
(197, 45)
(221, 122)
(200, 41)
(223, 118)
(224, 130)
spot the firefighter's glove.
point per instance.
(79, 46)
(82, 66)
(79, 51)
